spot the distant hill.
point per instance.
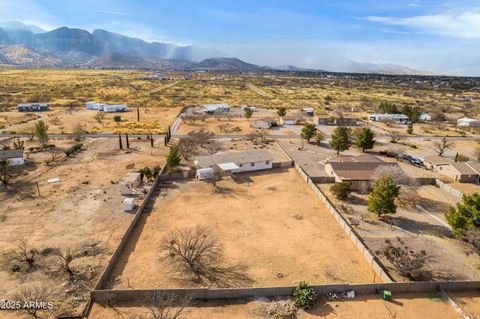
(387, 68)
(30, 45)
(228, 64)
(23, 56)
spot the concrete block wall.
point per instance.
(449, 189)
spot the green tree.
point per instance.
(304, 296)
(282, 111)
(117, 118)
(466, 216)
(413, 112)
(382, 198)
(173, 158)
(248, 112)
(410, 128)
(341, 139)
(341, 190)
(308, 131)
(41, 132)
(319, 136)
(388, 107)
(365, 139)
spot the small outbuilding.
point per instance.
(204, 173)
(264, 123)
(309, 111)
(129, 182)
(128, 204)
(215, 109)
(12, 157)
(288, 120)
(425, 117)
(468, 122)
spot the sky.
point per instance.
(440, 36)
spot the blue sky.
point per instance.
(434, 35)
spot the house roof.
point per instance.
(8, 154)
(32, 104)
(475, 166)
(233, 157)
(266, 119)
(435, 159)
(289, 118)
(363, 158)
(463, 168)
(359, 171)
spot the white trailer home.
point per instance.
(397, 118)
(264, 123)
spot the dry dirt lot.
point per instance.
(468, 301)
(63, 120)
(466, 188)
(238, 124)
(422, 228)
(403, 306)
(271, 222)
(83, 209)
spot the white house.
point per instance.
(236, 162)
(204, 173)
(106, 107)
(288, 120)
(424, 117)
(32, 107)
(397, 118)
(13, 157)
(115, 108)
(128, 204)
(214, 109)
(264, 123)
(466, 122)
(129, 182)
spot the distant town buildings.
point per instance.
(32, 107)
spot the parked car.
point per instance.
(388, 154)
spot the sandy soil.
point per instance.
(468, 301)
(466, 188)
(422, 229)
(64, 120)
(403, 306)
(270, 222)
(84, 209)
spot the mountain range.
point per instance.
(28, 45)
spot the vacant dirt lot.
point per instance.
(466, 188)
(64, 120)
(270, 222)
(468, 301)
(403, 306)
(82, 210)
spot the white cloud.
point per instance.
(28, 12)
(462, 25)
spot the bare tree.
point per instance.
(39, 295)
(168, 306)
(100, 116)
(201, 137)
(78, 132)
(66, 257)
(193, 250)
(25, 254)
(398, 175)
(213, 147)
(8, 173)
(441, 146)
(253, 137)
(408, 263)
(394, 137)
(187, 147)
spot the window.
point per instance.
(252, 164)
(240, 165)
(267, 162)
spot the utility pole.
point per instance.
(120, 145)
(138, 114)
(128, 143)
